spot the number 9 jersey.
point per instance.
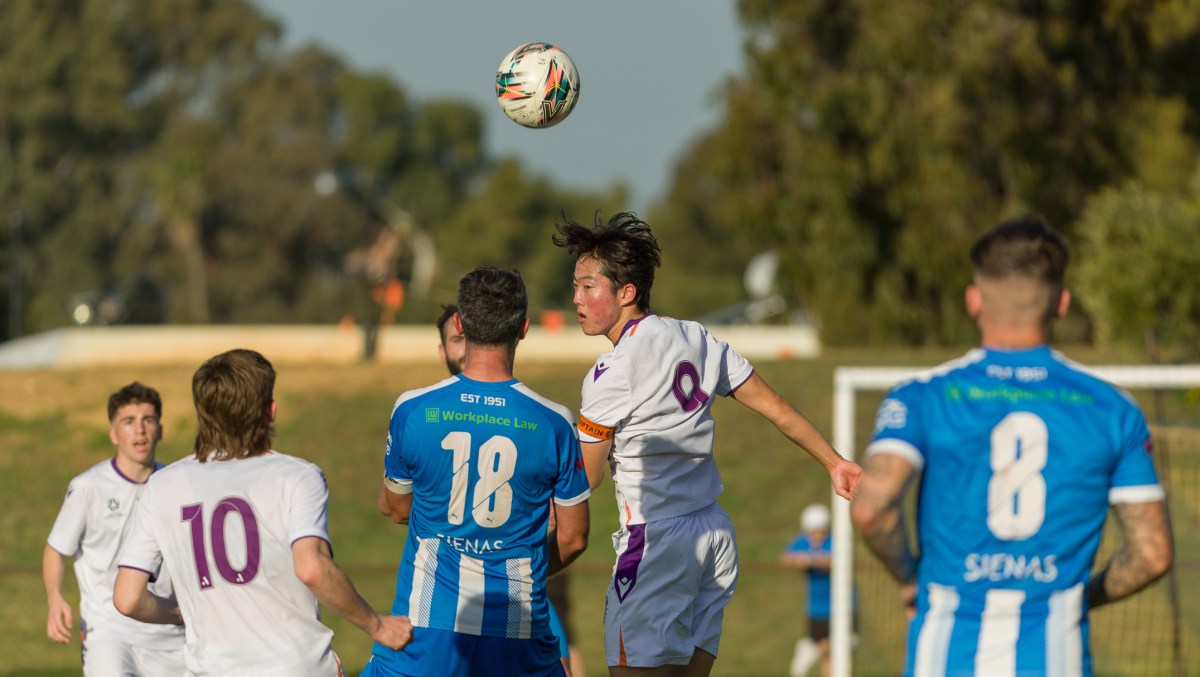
(652, 395)
(1020, 455)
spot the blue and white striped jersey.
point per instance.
(1020, 453)
(484, 461)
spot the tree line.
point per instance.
(172, 161)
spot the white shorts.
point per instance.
(670, 585)
(110, 650)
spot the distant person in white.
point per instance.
(242, 530)
(90, 527)
(646, 413)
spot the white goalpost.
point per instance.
(852, 381)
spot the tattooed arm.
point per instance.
(1146, 556)
(879, 515)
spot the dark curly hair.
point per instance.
(623, 246)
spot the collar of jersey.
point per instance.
(488, 384)
(629, 326)
(1042, 352)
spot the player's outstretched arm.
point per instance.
(878, 514)
(59, 621)
(570, 537)
(314, 566)
(1146, 556)
(132, 597)
(756, 394)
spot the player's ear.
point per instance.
(628, 293)
(272, 410)
(524, 329)
(973, 299)
(112, 431)
(458, 324)
(1064, 302)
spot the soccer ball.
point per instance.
(537, 85)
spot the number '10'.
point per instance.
(195, 515)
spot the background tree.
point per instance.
(877, 139)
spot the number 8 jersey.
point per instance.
(483, 460)
(652, 395)
(1020, 455)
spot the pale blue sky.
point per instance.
(650, 71)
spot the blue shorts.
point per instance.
(445, 652)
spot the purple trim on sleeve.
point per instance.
(734, 389)
(151, 574)
(330, 543)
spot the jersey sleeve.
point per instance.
(397, 472)
(607, 399)
(67, 533)
(308, 514)
(897, 429)
(140, 549)
(1134, 479)
(736, 369)
(571, 487)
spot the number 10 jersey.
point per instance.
(224, 530)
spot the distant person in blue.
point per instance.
(1020, 455)
(472, 465)
(811, 552)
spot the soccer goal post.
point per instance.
(1150, 634)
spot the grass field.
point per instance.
(52, 426)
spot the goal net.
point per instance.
(1156, 632)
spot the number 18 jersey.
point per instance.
(483, 461)
(1020, 453)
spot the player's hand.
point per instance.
(908, 600)
(394, 632)
(845, 476)
(59, 622)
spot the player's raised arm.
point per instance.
(762, 398)
(315, 567)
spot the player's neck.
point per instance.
(628, 314)
(489, 363)
(135, 471)
(1014, 338)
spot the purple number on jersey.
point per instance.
(689, 400)
(195, 514)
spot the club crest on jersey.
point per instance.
(892, 414)
(113, 505)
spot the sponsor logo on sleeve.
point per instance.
(892, 414)
(599, 371)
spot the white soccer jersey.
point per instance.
(91, 525)
(652, 395)
(225, 531)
